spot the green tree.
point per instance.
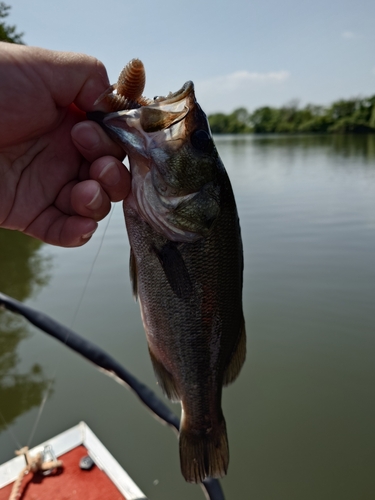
(350, 124)
(372, 116)
(265, 120)
(317, 124)
(237, 122)
(343, 109)
(364, 109)
(219, 123)
(352, 115)
(356, 115)
(8, 33)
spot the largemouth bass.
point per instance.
(186, 264)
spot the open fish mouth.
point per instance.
(139, 122)
(146, 124)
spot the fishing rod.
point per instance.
(109, 366)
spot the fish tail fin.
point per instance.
(203, 454)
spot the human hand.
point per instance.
(58, 172)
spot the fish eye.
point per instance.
(201, 140)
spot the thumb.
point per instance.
(73, 77)
(66, 77)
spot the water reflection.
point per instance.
(22, 272)
(22, 269)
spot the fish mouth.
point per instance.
(174, 97)
(145, 127)
(173, 103)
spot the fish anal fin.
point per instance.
(203, 454)
(133, 273)
(237, 359)
(165, 379)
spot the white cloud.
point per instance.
(242, 79)
(242, 88)
(349, 35)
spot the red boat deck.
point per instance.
(69, 483)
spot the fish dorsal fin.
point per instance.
(155, 119)
(175, 269)
(238, 357)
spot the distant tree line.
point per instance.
(343, 116)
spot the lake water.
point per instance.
(301, 416)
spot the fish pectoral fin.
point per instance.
(175, 269)
(133, 273)
(237, 358)
(165, 379)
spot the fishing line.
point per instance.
(91, 270)
(41, 408)
(47, 392)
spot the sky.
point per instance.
(238, 53)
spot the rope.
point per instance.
(34, 464)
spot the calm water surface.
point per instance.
(301, 416)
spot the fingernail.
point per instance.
(96, 201)
(88, 235)
(86, 136)
(110, 175)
